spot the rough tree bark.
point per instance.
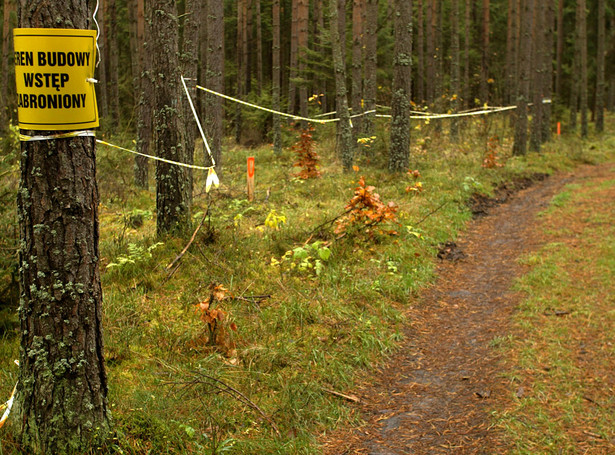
(484, 79)
(112, 63)
(511, 61)
(466, 62)
(259, 47)
(144, 106)
(559, 48)
(7, 77)
(523, 88)
(275, 83)
(583, 104)
(356, 75)
(172, 208)
(189, 64)
(455, 73)
(600, 53)
(399, 155)
(547, 63)
(370, 83)
(214, 79)
(294, 48)
(420, 45)
(61, 404)
(303, 11)
(345, 145)
(537, 76)
(430, 50)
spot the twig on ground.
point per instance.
(351, 398)
(221, 386)
(196, 231)
(432, 212)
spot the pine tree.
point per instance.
(214, 78)
(277, 136)
(172, 203)
(600, 53)
(455, 83)
(61, 403)
(583, 103)
(399, 155)
(145, 100)
(345, 145)
(523, 88)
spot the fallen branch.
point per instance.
(222, 386)
(351, 398)
(432, 212)
(196, 231)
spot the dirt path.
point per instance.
(435, 395)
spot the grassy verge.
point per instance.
(295, 327)
(563, 356)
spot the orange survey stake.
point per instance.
(250, 178)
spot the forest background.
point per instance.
(228, 349)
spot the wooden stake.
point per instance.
(250, 178)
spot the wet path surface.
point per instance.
(435, 396)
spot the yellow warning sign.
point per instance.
(54, 70)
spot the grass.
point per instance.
(313, 331)
(562, 354)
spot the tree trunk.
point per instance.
(466, 64)
(61, 403)
(7, 76)
(172, 207)
(439, 59)
(249, 43)
(576, 68)
(259, 47)
(370, 83)
(523, 90)
(399, 155)
(144, 106)
(189, 63)
(318, 22)
(430, 51)
(511, 62)
(345, 145)
(547, 63)
(275, 83)
(103, 97)
(113, 64)
(560, 48)
(537, 77)
(583, 104)
(455, 74)
(420, 44)
(214, 79)
(484, 79)
(600, 53)
(356, 75)
(303, 11)
(294, 57)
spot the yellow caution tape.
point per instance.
(9, 404)
(157, 158)
(198, 123)
(84, 133)
(284, 114)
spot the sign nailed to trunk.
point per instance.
(54, 70)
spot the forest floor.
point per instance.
(439, 392)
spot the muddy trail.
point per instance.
(435, 395)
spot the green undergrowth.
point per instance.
(295, 327)
(561, 354)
